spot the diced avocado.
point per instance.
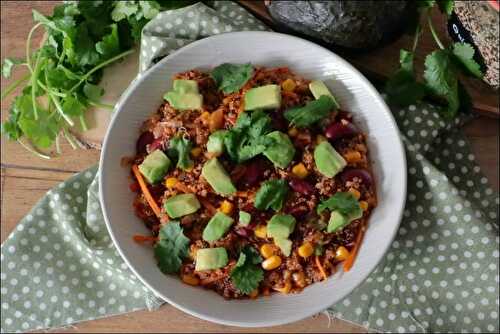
(244, 218)
(185, 86)
(155, 166)
(217, 227)
(184, 101)
(328, 161)
(336, 222)
(215, 142)
(264, 97)
(280, 226)
(282, 151)
(210, 258)
(216, 176)
(181, 205)
(285, 245)
(318, 88)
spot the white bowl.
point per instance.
(311, 61)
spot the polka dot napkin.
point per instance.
(59, 266)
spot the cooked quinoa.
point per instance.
(315, 254)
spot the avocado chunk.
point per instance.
(217, 227)
(264, 97)
(217, 177)
(215, 142)
(328, 161)
(285, 245)
(210, 258)
(280, 226)
(185, 86)
(181, 205)
(244, 218)
(155, 166)
(318, 88)
(282, 151)
(184, 101)
(336, 222)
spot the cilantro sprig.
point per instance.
(82, 38)
(247, 274)
(271, 194)
(171, 248)
(442, 68)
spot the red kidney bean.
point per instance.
(144, 140)
(243, 232)
(301, 186)
(279, 122)
(362, 174)
(339, 130)
(298, 211)
(134, 187)
(344, 115)
(156, 144)
(253, 173)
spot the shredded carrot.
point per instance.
(320, 267)
(243, 194)
(151, 201)
(207, 281)
(182, 187)
(352, 254)
(144, 238)
(212, 209)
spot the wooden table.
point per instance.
(25, 179)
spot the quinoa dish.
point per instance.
(251, 180)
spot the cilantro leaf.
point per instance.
(246, 139)
(402, 87)
(271, 194)
(247, 274)
(149, 9)
(8, 65)
(73, 107)
(110, 44)
(311, 113)
(464, 54)
(441, 79)
(446, 6)
(344, 202)
(123, 9)
(171, 248)
(180, 148)
(231, 77)
(93, 92)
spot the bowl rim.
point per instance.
(293, 317)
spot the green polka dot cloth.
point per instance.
(59, 266)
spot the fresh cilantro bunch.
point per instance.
(171, 248)
(247, 274)
(82, 38)
(442, 68)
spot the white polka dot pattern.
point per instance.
(443, 264)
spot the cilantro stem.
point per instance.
(416, 38)
(34, 76)
(434, 34)
(58, 146)
(69, 139)
(33, 151)
(14, 85)
(102, 105)
(83, 123)
(101, 65)
(55, 99)
(28, 45)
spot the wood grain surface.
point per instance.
(380, 63)
(25, 179)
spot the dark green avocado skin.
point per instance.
(350, 24)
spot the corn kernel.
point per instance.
(341, 254)
(271, 263)
(306, 250)
(363, 205)
(266, 250)
(205, 116)
(355, 193)
(286, 289)
(191, 280)
(196, 151)
(288, 85)
(299, 170)
(261, 231)
(171, 182)
(352, 156)
(226, 207)
(254, 293)
(320, 139)
(292, 132)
